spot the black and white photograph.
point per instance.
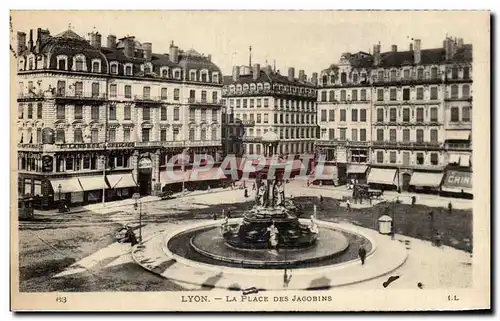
(250, 160)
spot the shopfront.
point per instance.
(68, 190)
(357, 172)
(457, 183)
(427, 182)
(121, 186)
(383, 178)
(325, 174)
(93, 187)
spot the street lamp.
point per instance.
(136, 196)
(393, 234)
(59, 188)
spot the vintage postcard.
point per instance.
(250, 160)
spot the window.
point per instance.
(406, 158)
(420, 93)
(30, 110)
(95, 89)
(406, 94)
(393, 95)
(61, 111)
(244, 103)
(164, 93)
(146, 92)
(354, 115)
(259, 118)
(355, 78)
(61, 88)
(78, 111)
(177, 74)
(465, 91)
(77, 136)
(434, 73)
(203, 95)
(203, 134)
(466, 73)
(146, 113)
(331, 134)
(342, 134)
(69, 163)
(192, 115)
(466, 113)
(354, 134)
(406, 135)
(112, 90)
(362, 115)
(112, 112)
(392, 115)
(127, 112)
(176, 94)
(164, 73)
(163, 113)
(392, 135)
(214, 115)
(96, 66)
(266, 102)
(128, 91)
(342, 95)
(434, 114)
(331, 95)
(343, 77)
(420, 114)
(191, 134)
(420, 135)
(39, 135)
(434, 159)
(420, 73)
(323, 95)
(406, 114)
(145, 134)
(381, 75)
(203, 114)
(126, 134)
(454, 91)
(176, 113)
(434, 93)
(114, 68)
(215, 97)
(79, 88)
(323, 115)
(61, 64)
(434, 135)
(380, 135)
(380, 115)
(175, 134)
(343, 115)
(354, 95)
(363, 95)
(380, 156)
(454, 73)
(393, 75)
(94, 135)
(420, 158)
(380, 94)
(163, 135)
(454, 114)
(79, 64)
(266, 118)
(147, 69)
(259, 103)
(111, 135)
(392, 157)
(331, 115)
(60, 136)
(362, 135)
(406, 73)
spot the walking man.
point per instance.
(362, 254)
(348, 204)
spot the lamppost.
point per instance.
(59, 188)
(136, 196)
(393, 234)
(104, 160)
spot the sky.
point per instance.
(308, 40)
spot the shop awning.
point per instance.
(174, 176)
(90, 183)
(212, 174)
(454, 158)
(456, 181)
(121, 180)
(382, 176)
(357, 169)
(457, 135)
(68, 185)
(426, 179)
(323, 173)
(464, 160)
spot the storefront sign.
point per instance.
(47, 164)
(458, 179)
(145, 162)
(341, 155)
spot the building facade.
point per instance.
(418, 117)
(257, 101)
(96, 119)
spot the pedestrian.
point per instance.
(130, 236)
(308, 183)
(209, 190)
(450, 207)
(348, 204)
(246, 192)
(362, 254)
(228, 215)
(437, 239)
(413, 200)
(254, 186)
(215, 216)
(321, 198)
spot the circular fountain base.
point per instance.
(211, 244)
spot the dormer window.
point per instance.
(21, 64)
(260, 86)
(252, 86)
(96, 66)
(148, 68)
(215, 77)
(128, 70)
(177, 74)
(332, 79)
(204, 76)
(79, 63)
(114, 67)
(192, 75)
(164, 72)
(245, 87)
(231, 88)
(238, 87)
(62, 62)
(31, 63)
(355, 77)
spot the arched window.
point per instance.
(128, 70)
(215, 78)
(79, 64)
(78, 136)
(60, 136)
(204, 76)
(96, 66)
(114, 68)
(177, 74)
(164, 73)
(325, 79)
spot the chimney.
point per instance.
(302, 76)
(376, 54)
(291, 74)
(44, 34)
(394, 48)
(174, 53)
(236, 73)
(417, 54)
(21, 41)
(38, 40)
(148, 50)
(411, 47)
(209, 57)
(30, 42)
(95, 40)
(256, 71)
(314, 78)
(268, 69)
(460, 42)
(129, 46)
(111, 42)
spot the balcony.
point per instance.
(331, 142)
(357, 143)
(407, 123)
(154, 144)
(407, 102)
(344, 102)
(148, 99)
(459, 125)
(252, 138)
(30, 147)
(31, 96)
(413, 166)
(203, 143)
(407, 145)
(469, 99)
(457, 80)
(85, 97)
(401, 81)
(204, 102)
(458, 146)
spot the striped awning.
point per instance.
(426, 179)
(121, 180)
(382, 176)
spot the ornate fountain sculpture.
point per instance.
(271, 223)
